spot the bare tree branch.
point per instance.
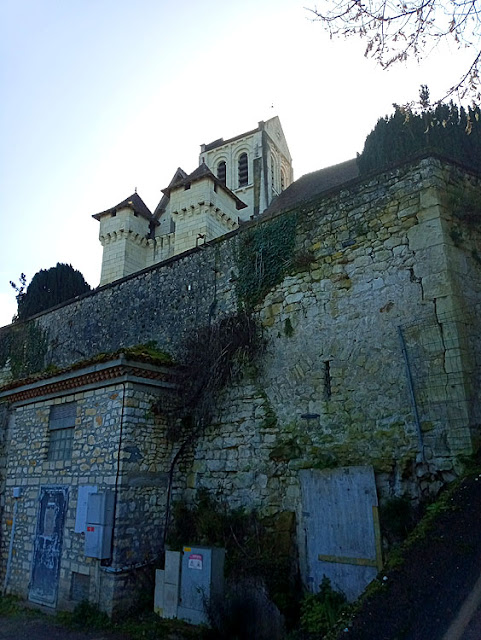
(395, 30)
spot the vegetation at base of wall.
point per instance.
(145, 625)
(321, 611)
(255, 547)
(24, 348)
(265, 256)
(48, 288)
(398, 518)
(85, 615)
(10, 606)
(445, 129)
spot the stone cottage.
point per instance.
(366, 290)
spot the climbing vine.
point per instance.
(24, 347)
(265, 256)
(465, 203)
(211, 356)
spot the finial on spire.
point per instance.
(135, 189)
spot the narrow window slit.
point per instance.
(327, 379)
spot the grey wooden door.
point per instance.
(341, 528)
(48, 545)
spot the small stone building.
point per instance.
(88, 430)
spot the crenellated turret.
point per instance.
(124, 233)
(202, 209)
(236, 178)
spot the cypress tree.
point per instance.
(444, 129)
(50, 287)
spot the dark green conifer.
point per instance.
(48, 288)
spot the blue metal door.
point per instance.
(48, 545)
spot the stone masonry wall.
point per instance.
(93, 462)
(366, 260)
(334, 352)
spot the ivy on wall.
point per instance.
(24, 347)
(464, 201)
(265, 256)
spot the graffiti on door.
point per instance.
(48, 545)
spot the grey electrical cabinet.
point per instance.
(100, 520)
(201, 583)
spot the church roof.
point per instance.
(221, 142)
(313, 184)
(133, 202)
(201, 172)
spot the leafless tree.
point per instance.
(395, 30)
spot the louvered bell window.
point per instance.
(222, 172)
(243, 170)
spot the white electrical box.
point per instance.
(100, 508)
(98, 530)
(202, 581)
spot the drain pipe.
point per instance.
(411, 393)
(16, 496)
(169, 491)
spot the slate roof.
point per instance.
(313, 184)
(179, 175)
(220, 141)
(133, 202)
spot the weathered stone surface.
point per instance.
(330, 388)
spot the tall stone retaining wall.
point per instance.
(364, 262)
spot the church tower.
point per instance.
(255, 165)
(237, 179)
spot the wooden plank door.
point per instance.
(341, 527)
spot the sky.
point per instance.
(102, 97)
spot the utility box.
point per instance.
(202, 582)
(100, 520)
(167, 586)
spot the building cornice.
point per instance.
(120, 369)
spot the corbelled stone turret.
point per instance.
(236, 179)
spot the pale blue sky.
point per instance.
(102, 96)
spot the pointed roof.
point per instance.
(201, 172)
(273, 123)
(133, 202)
(179, 176)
